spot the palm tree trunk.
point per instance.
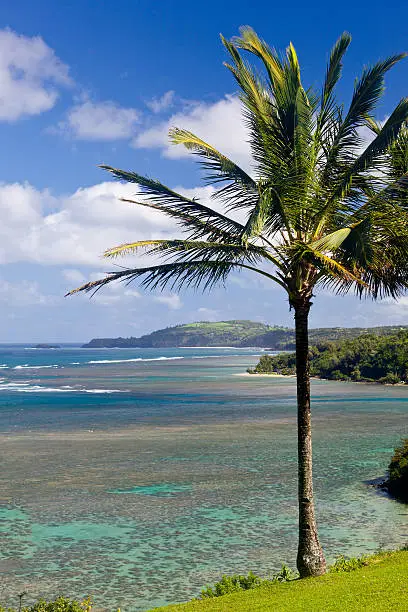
(310, 558)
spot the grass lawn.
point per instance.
(381, 585)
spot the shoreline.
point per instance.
(273, 374)
(383, 485)
(356, 382)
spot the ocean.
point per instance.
(137, 476)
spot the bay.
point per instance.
(137, 476)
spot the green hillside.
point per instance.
(234, 333)
(222, 333)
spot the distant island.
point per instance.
(47, 346)
(367, 358)
(235, 333)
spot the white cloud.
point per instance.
(24, 293)
(29, 72)
(221, 124)
(75, 229)
(157, 105)
(99, 121)
(395, 312)
(74, 276)
(207, 314)
(132, 293)
(171, 301)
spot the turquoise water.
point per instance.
(157, 490)
(137, 482)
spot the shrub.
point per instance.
(265, 365)
(348, 564)
(390, 379)
(236, 582)
(398, 472)
(61, 604)
(337, 375)
(356, 374)
(285, 574)
(231, 584)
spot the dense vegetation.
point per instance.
(61, 604)
(397, 483)
(366, 358)
(233, 333)
(238, 582)
(377, 585)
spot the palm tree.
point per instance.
(322, 210)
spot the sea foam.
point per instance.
(26, 366)
(26, 387)
(95, 361)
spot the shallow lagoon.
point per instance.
(142, 495)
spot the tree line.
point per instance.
(369, 358)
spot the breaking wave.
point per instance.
(25, 366)
(135, 359)
(26, 387)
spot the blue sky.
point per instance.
(89, 82)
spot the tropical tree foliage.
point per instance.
(366, 358)
(322, 208)
(397, 482)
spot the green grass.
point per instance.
(382, 585)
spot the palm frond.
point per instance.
(371, 158)
(357, 248)
(250, 41)
(195, 227)
(268, 138)
(185, 250)
(378, 248)
(253, 90)
(373, 125)
(258, 216)
(241, 190)
(331, 242)
(367, 92)
(223, 169)
(331, 267)
(385, 281)
(385, 138)
(175, 276)
(329, 115)
(394, 194)
(168, 199)
(319, 210)
(398, 155)
(334, 69)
